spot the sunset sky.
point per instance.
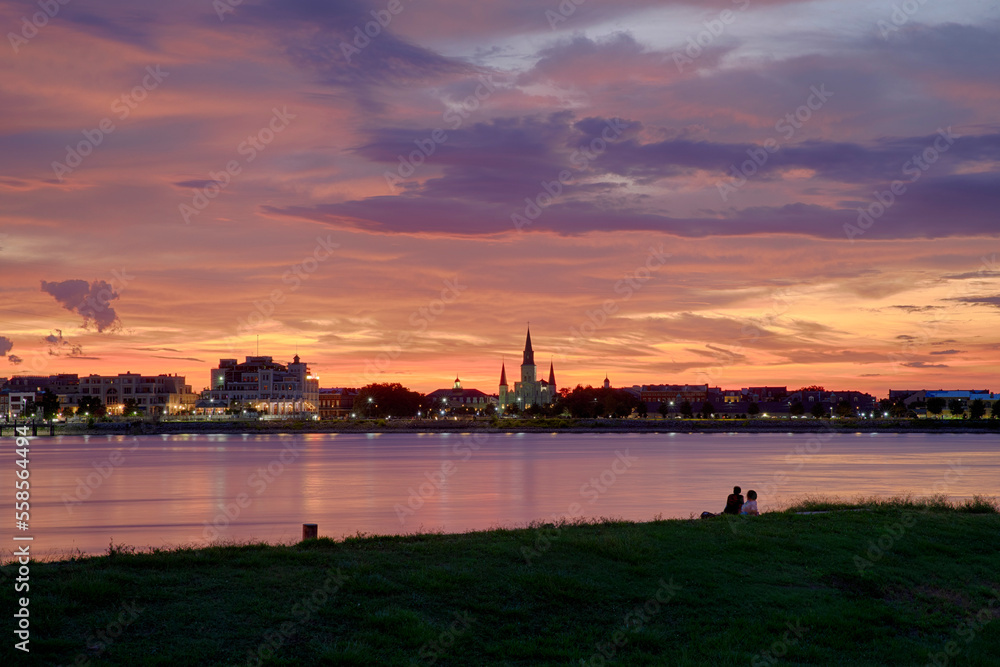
(732, 192)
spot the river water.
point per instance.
(168, 490)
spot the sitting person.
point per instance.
(750, 506)
(734, 503)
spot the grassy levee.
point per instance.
(898, 583)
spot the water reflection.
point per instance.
(190, 489)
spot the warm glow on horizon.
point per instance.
(803, 201)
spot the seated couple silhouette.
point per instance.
(736, 505)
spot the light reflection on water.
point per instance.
(163, 490)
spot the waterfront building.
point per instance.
(336, 403)
(269, 387)
(458, 397)
(152, 394)
(529, 390)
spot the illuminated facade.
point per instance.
(271, 388)
(529, 390)
(152, 394)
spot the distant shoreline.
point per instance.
(545, 425)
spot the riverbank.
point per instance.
(896, 585)
(541, 425)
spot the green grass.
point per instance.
(886, 586)
(936, 503)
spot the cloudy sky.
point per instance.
(734, 192)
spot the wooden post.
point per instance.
(310, 531)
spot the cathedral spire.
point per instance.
(503, 374)
(552, 376)
(529, 354)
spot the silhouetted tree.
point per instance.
(664, 409)
(844, 409)
(686, 409)
(977, 409)
(935, 405)
(796, 408)
(591, 402)
(91, 405)
(955, 407)
(753, 409)
(388, 399)
(817, 411)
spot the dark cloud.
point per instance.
(482, 178)
(939, 352)
(59, 346)
(195, 184)
(979, 300)
(328, 39)
(923, 364)
(6, 345)
(92, 301)
(916, 309)
(14, 359)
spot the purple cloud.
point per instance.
(91, 301)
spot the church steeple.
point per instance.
(552, 376)
(503, 374)
(529, 354)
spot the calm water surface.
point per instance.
(167, 490)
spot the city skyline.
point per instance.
(747, 193)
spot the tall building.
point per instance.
(272, 388)
(529, 390)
